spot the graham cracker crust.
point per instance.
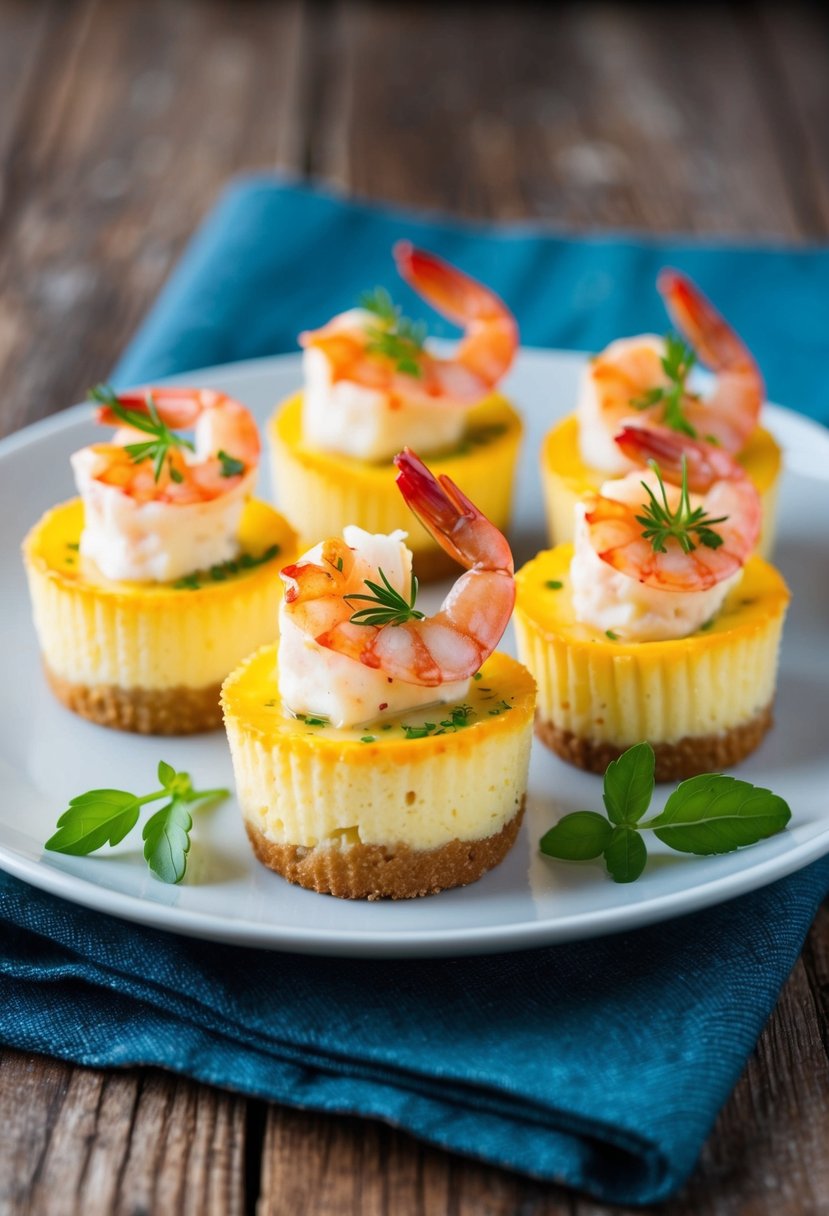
(370, 871)
(686, 757)
(145, 711)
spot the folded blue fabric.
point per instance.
(599, 1064)
(273, 259)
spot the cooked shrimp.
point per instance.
(629, 381)
(731, 411)
(428, 651)
(715, 534)
(481, 359)
(225, 449)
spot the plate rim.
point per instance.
(399, 943)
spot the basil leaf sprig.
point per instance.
(676, 364)
(105, 817)
(689, 527)
(162, 441)
(394, 336)
(385, 606)
(711, 813)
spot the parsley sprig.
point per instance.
(385, 606)
(101, 817)
(395, 336)
(708, 814)
(163, 440)
(660, 523)
(676, 364)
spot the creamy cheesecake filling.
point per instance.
(610, 690)
(421, 778)
(100, 633)
(343, 691)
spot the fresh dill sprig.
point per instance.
(385, 606)
(163, 440)
(395, 336)
(660, 523)
(676, 364)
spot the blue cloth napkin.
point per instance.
(273, 259)
(598, 1064)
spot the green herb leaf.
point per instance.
(628, 784)
(387, 606)
(625, 854)
(188, 582)
(395, 337)
(553, 584)
(231, 467)
(676, 364)
(715, 813)
(166, 774)
(580, 836)
(166, 838)
(101, 817)
(380, 303)
(224, 570)
(163, 439)
(712, 813)
(687, 527)
(94, 819)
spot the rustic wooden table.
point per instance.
(118, 123)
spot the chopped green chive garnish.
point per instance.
(231, 467)
(225, 570)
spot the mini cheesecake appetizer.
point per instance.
(372, 387)
(380, 752)
(149, 588)
(644, 381)
(658, 624)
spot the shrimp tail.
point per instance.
(447, 514)
(713, 339)
(455, 295)
(491, 339)
(704, 463)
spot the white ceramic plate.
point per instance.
(48, 755)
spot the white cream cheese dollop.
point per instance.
(607, 599)
(640, 359)
(155, 541)
(315, 680)
(363, 422)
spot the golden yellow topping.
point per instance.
(544, 595)
(52, 547)
(501, 695)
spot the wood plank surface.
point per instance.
(119, 123)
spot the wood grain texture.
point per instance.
(80, 1140)
(119, 123)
